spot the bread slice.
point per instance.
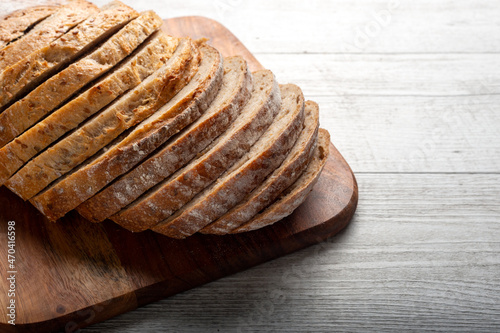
(147, 59)
(56, 25)
(284, 176)
(233, 95)
(47, 96)
(14, 25)
(25, 74)
(262, 159)
(127, 111)
(119, 157)
(296, 194)
(254, 119)
(195, 98)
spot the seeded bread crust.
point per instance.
(283, 177)
(233, 95)
(15, 24)
(262, 159)
(127, 111)
(297, 193)
(153, 54)
(53, 27)
(54, 91)
(254, 119)
(127, 151)
(36, 67)
(195, 98)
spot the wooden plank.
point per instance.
(421, 254)
(388, 74)
(345, 26)
(415, 134)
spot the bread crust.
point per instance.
(120, 157)
(47, 96)
(263, 158)
(283, 177)
(103, 113)
(130, 109)
(297, 193)
(234, 94)
(146, 60)
(255, 117)
(15, 24)
(53, 27)
(195, 99)
(28, 72)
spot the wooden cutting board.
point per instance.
(71, 274)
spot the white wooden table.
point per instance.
(410, 91)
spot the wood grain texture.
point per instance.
(74, 273)
(453, 134)
(346, 26)
(420, 255)
(92, 272)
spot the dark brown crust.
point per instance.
(124, 113)
(234, 185)
(142, 214)
(121, 156)
(277, 182)
(194, 102)
(144, 100)
(297, 193)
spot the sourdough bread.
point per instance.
(195, 98)
(108, 124)
(54, 91)
(283, 177)
(129, 110)
(252, 122)
(147, 59)
(56, 25)
(233, 95)
(83, 182)
(262, 159)
(14, 25)
(296, 194)
(25, 74)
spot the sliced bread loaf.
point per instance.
(152, 54)
(56, 25)
(251, 123)
(262, 159)
(132, 108)
(295, 194)
(14, 25)
(119, 157)
(283, 177)
(233, 95)
(127, 111)
(27, 73)
(195, 98)
(54, 91)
